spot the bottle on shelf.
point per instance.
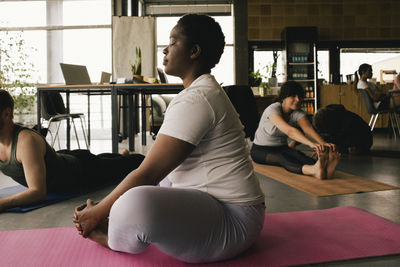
(307, 92)
(310, 108)
(300, 48)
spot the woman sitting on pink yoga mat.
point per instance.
(214, 209)
(278, 123)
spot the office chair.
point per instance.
(158, 106)
(53, 110)
(369, 104)
(243, 100)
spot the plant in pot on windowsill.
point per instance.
(137, 67)
(256, 82)
(273, 81)
(16, 75)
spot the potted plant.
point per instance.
(16, 75)
(137, 67)
(256, 82)
(255, 78)
(273, 81)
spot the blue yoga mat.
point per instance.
(50, 198)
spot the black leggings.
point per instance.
(98, 170)
(289, 158)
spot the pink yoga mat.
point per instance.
(289, 238)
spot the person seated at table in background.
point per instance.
(215, 207)
(29, 160)
(278, 123)
(381, 100)
(348, 131)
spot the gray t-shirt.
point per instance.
(267, 133)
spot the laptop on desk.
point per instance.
(75, 74)
(105, 77)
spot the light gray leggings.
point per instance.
(187, 224)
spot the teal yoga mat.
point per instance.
(50, 198)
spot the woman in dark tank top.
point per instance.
(67, 170)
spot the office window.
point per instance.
(22, 13)
(223, 71)
(92, 50)
(85, 28)
(80, 35)
(87, 12)
(263, 61)
(323, 64)
(380, 59)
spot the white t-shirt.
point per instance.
(267, 133)
(203, 115)
(362, 85)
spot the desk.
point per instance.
(114, 90)
(135, 89)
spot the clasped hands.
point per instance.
(85, 218)
(321, 148)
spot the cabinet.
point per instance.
(300, 61)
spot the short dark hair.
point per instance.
(204, 31)
(291, 88)
(6, 100)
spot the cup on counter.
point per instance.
(349, 78)
(261, 90)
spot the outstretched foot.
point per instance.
(318, 170)
(321, 165)
(334, 158)
(100, 234)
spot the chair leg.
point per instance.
(76, 134)
(397, 122)
(373, 124)
(56, 135)
(83, 123)
(371, 119)
(51, 135)
(392, 124)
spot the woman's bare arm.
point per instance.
(289, 130)
(31, 150)
(165, 155)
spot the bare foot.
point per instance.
(320, 165)
(100, 234)
(334, 158)
(125, 152)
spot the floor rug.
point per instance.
(342, 182)
(288, 238)
(50, 198)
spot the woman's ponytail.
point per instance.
(356, 78)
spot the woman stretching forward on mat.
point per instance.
(278, 123)
(29, 160)
(215, 207)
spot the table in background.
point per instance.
(114, 90)
(136, 89)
